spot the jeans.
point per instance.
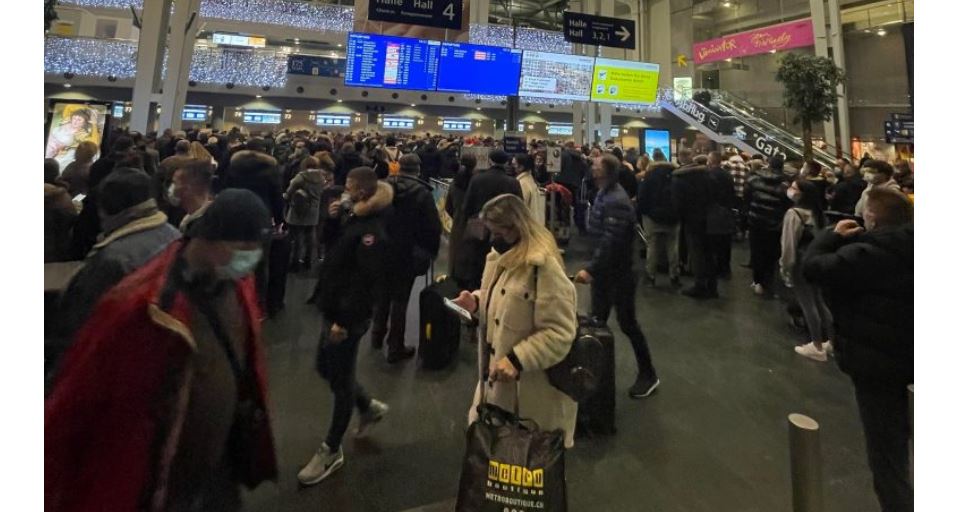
(699, 256)
(618, 291)
(392, 300)
(766, 248)
(819, 320)
(304, 240)
(662, 237)
(337, 363)
(886, 418)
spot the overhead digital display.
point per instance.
(456, 125)
(118, 110)
(559, 129)
(479, 69)
(333, 120)
(238, 40)
(250, 117)
(555, 75)
(654, 139)
(195, 113)
(391, 62)
(398, 123)
(623, 81)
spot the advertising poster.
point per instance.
(784, 36)
(657, 139)
(620, 81)
(71, 124)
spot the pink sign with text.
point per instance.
(784, 36)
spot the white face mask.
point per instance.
(241, 264)
(793, 194)
(173, 199)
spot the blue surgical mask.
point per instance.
(241, 264)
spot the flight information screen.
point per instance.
(391, 62)
(479, 69)
(251, 117)
(556, 75)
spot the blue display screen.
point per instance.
(391, 62)
(194, 113)
(657, 139)
(479, 69)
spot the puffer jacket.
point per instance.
(612, 220)
(654, 197)
(357, 263)
(257, 172)
(767, 200)
(868, 280)
(311, 181)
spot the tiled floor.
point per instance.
(713, 438)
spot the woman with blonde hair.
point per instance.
(526, 308)
(199, 152)
(643, 166)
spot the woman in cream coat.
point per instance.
(527, 310)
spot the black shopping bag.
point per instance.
(510, 464)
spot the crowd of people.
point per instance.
(182, 234)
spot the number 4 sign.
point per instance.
(429, 13)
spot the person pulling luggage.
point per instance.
(610, 270)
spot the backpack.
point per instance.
(394, 167)
(300, 202)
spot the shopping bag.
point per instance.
(510, 464)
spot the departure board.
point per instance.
(387, 62)
(479, 69)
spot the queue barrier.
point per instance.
(806, 464)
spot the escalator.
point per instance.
(727, 119)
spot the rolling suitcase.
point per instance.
(596, 415)
(439, 328)
(278, 265)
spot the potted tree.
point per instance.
(810, 90)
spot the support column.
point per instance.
(817, 11)
(148, 67)
(603, 110)
(512, 114)
(839, 58)
(182, 38)
(658, 38)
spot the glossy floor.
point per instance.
(713, 438)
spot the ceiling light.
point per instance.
(340, 101)
(412, 104)
(726, 4)
(478, 108)
(881, 32)
(339, 45)
(259, 96)
(728, 59)
(296, 40)
(68, 85)
(773, 51)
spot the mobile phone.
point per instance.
(458, 310)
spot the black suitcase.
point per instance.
(596, 415)
(439, 328)
(278, 265)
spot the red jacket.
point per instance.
(113, 420)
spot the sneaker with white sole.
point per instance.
(324, 463)
(828, 347)
(374, 414)
(809, 350)
(757, 289)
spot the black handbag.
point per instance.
(510, 464)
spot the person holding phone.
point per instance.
(526, 308)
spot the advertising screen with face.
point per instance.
(72, 124)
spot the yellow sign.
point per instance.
(682, 60)
(515, 475)
(621, 81)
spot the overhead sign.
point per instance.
(430, 13)
(225, 39)
(514, 142)
(315, 65)
(783, 36)
(598, 30)
(900, 129)
(554, 159)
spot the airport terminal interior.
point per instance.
(701, 210)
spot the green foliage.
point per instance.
(49, 13)
(810, 86)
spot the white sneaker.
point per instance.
(809, 350)
(828, 348)
(757, 289)
(374, 414)
(321, 465)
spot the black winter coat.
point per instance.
(692, 195)
(868, 281)
(767, 200)
(846, 194)
(574, 169)
(654, 195)
(415, 229)
(470, 254)
(721, 219)
(257, 172)
(345, 163)
(357, 263)
(612, 220)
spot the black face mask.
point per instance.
(501, 245)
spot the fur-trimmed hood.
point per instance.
(379, 201)
(248, 161)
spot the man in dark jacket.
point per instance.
(415, 232)
(656, 205)
(134, 232)
(721, 218)
(574, 169)
(349, 277)
(431, 160)
(612, 221)
(867, 275)
(484, 186)
(768, 203)
(848, 191)
(692, 194)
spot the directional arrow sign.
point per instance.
(599, 30)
